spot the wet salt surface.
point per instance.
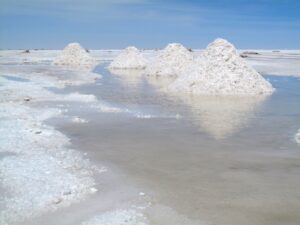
(221, 161)
(241, 168)
(13, 78)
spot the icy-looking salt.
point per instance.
(73, 55)
(129, 58)
(171, 61)
(221, 71)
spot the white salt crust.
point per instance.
(38, 171)
(118, 217)
(129, 58)
(151, 214)
(171, 61)
(50, 76)
(76, 57)
(220, 71)
(30, 92)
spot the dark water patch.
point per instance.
(14, 78)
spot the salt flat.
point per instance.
(143, 156)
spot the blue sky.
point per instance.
(149, 23)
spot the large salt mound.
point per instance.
(171, 61)
(221, 71)
(75, 56)
(129, 58)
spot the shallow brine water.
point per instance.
(201, 160)
(190, 160)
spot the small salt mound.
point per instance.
(221, 71)
(130, 58)
(75, 56)
(171, 61)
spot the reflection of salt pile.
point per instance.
(160, 82)
(130, 58)
(221, 71)
(297, 137)
(131, 77)
(76, 57)
(171, 61)
(222, 116)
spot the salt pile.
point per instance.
(221, 71)
(76, 57)
(130, 58)
(171, 61)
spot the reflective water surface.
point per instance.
(222, 161)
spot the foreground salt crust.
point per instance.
(39, 172)
(147, 215)
(220, 71)
(171, 61)
(76, 57)
(129, 58)
(119, 217)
